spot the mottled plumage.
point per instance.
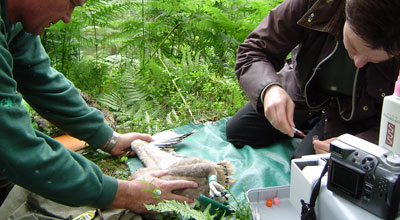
(180, 168)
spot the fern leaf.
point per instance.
(110, 100)
(182, 209)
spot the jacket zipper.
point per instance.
(312, 76)
(352, 99)
(337, 99)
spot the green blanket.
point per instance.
(254, 168)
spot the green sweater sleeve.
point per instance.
(30, 158)
(52, 95)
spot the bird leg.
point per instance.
(216, 189)
(152, 156)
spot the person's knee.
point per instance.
(231, 134)
(229, 128)
(246, 127)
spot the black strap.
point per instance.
(394, 202)
(306, 146)
(307, 209)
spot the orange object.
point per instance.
(70, 142)
(269, 202)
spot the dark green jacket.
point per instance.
(28, 157)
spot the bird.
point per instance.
(213, 178)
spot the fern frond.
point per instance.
(111, 100)
(181, 209)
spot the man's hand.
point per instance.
(124, 141)
(322, 147)
(279, 109)
(134, 194)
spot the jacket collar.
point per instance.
(325, 16)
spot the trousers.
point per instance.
(247, 127)
(5, 187)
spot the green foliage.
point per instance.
(178, 210)
(171, 209)
(31, 111)
(183, 210)
(157, 64)
(110, 165)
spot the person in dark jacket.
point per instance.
(343, 61)
(37, 162)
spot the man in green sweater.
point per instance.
(37, 162)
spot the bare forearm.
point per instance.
(121, 199)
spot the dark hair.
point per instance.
(377, 22)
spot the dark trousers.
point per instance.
(5, 187)
(247, 127)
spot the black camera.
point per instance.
(365, 174)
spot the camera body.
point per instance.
(365, 174)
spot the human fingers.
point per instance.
(158, 173)
(179, 198)
(180, 184)
(152, 189)
(131, 153)
(290, 112)
(273, 99)
(167, 188)
(279, 109)
(281, 121)
(123, 144)
(153, 178)
(129, 137)
(322, 147)
(285, 115)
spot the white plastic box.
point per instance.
(304, 173)
(258, 197)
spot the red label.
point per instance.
(390, 134)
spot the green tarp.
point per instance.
(254, 168)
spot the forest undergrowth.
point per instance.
(155, 64)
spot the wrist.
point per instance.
(120, 197)
(110, 144)
(264, 91)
